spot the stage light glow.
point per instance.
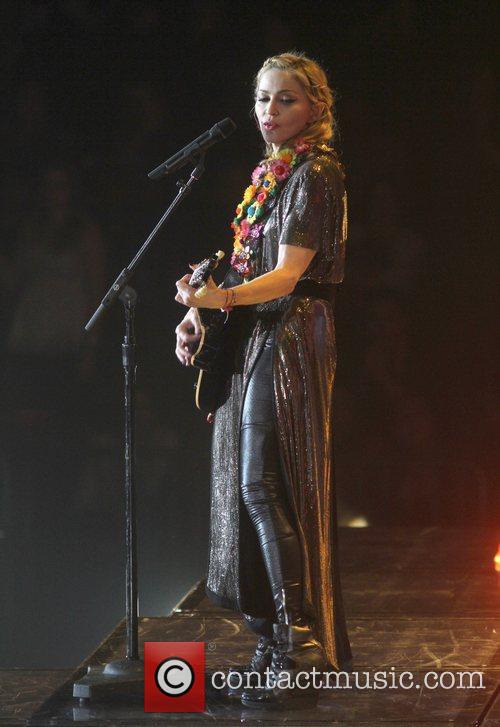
(358, 522)
(496, 559)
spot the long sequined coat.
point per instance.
(310, 211)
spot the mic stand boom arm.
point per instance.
(126, 274)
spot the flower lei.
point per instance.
(267, 179)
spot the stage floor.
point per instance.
(417, 600)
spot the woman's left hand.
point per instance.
(214, 297)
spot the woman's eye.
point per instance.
(265, 99)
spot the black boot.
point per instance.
(239, 677)
(296, 651)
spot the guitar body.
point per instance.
(216, 351)
(215, 356)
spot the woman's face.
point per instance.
(282, 107)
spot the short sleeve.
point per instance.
(307, 207)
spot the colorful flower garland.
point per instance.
(267, 179)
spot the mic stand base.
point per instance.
(123, 676)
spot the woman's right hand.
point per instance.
(188, 334)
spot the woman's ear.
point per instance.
(314, 114)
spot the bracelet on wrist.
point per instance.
(230, 299)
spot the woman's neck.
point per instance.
(288, 144)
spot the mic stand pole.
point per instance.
(128, 673)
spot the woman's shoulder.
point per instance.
(320, 168)
(324, 159)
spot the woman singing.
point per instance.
(273, 531)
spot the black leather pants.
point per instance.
(264, 494)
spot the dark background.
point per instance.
(95, 95)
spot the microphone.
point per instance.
(218, 132)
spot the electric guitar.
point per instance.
(215, 352)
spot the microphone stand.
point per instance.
(128, 673)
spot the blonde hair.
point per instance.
(315, 83)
